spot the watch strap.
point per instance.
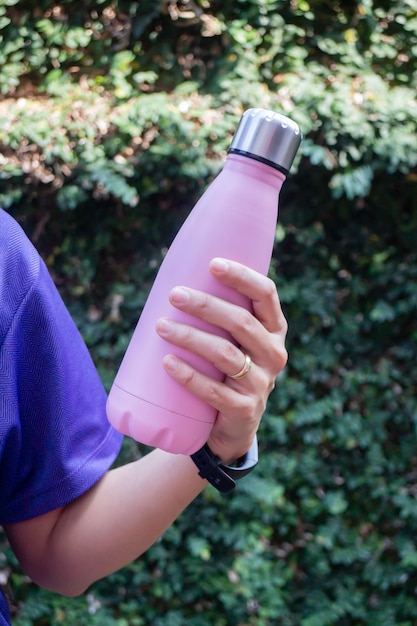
(221, 476)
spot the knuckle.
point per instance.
(225, 355)
(213, 393)
(248, 407)
(271, 289)
(242, 272)
(244, 321)
(265, 386)
(189, 378)
(280, 358)
(187, 335)
(203, 303)
(272, 294)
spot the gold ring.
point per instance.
(245, 369)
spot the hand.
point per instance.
(260, 333)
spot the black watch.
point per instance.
(221, 476)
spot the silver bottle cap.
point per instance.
(267, 136)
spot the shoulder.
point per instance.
(19, 269)
(17, 253)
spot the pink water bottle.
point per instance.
(236, 219)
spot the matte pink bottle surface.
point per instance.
(236, 219)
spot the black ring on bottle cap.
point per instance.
(256, 157)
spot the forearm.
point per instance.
(112, 524)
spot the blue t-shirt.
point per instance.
(55, 440)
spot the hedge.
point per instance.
(114, 117)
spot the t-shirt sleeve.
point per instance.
(55, 439)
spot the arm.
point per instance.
(131, 506)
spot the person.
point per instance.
(70, 516)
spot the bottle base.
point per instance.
(141, 420)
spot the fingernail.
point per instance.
(179, 295)
(164, 326)
(170, 363)
(220, 265)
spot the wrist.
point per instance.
(228, 452)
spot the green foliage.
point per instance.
(114, 118)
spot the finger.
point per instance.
(259, 288)
(265, 348)
(224, 355)
(217, 394)
(236, 321)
